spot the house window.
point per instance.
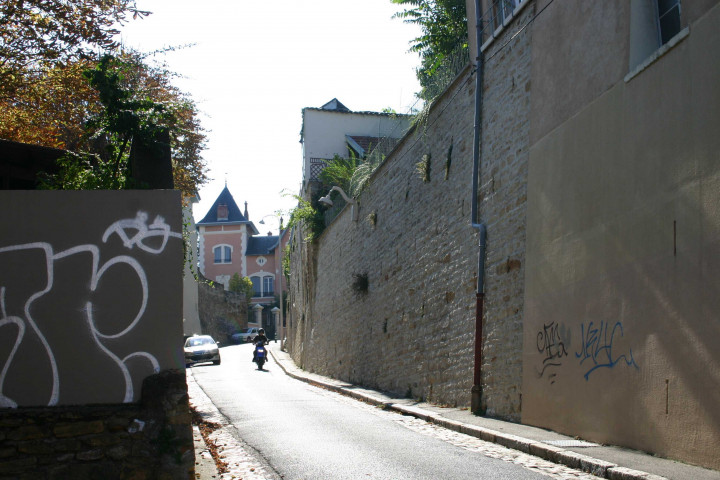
(222, 212)
(668, 12)
(268, 286)
(263, 286)
(257, 286)
(223, 254)
(653, 23)
(502, 10)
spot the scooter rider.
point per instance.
(261, 339)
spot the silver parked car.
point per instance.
(245, 335)
(201, 348)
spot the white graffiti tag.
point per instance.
(22, 323)
(142, 231)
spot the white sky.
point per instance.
(258, 63)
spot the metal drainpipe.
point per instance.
(476, 399)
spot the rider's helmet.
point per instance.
(261, 331)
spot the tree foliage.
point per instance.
(95, 109)
(444, 35)
(339, 171)
(242, 285)
(38, 33)
(52, 109)
(307, 217)
(58, 89)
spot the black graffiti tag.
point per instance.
(550, 344)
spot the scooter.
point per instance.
(260, 355)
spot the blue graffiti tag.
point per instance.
(597, 345)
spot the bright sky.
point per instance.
(256, 64)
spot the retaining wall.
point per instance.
(412, 331)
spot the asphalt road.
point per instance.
(304, 432)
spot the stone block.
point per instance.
(37, 447)
(101, 440)
(90, 455)
(20, 465)
(76, 429)
(67, 445)
(118, 452)
(28, 432)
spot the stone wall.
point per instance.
(222, 313)
(503, 206)
(147, 440)
(412, 330)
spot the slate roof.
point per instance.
(235, 216)
(335, 104)
(261, 245)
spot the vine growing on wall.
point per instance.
(307, 218)
(423, 167)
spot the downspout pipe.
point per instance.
(476, 398)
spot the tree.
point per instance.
(47, 98)
(242, 285)
(444, 36)
(52, 109)
(95, 109)
(37, 33)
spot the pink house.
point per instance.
(230, 243)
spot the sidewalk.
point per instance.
(205, 467)
(609, 462)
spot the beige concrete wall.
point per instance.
(90, 294)
(503, 203)
(622, 299)
(580, 50)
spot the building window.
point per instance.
(502, 10)
(222, 212)
(263, 286)
(668, 19)
(268, 286)
(223, 254)
(653, 23)
(261, 261)
(257, 286)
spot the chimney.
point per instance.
(247, 217)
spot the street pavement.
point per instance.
(530, 447)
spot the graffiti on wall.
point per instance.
(598, 348)
(74, 314)
(552, 347)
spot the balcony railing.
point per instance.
(263, 295)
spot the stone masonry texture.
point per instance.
(222, 312)
(412, 331)
(148, 440)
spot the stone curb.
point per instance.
(594, 466)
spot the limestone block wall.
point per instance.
(503, 207)
(412, 330)
(149, 439)
(222, 313)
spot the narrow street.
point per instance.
(304, 432)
